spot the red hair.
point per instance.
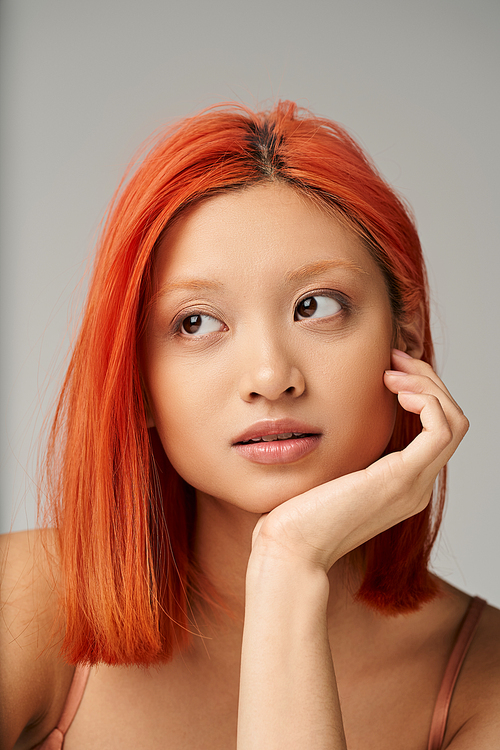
(124, 516)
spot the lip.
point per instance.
(275, 427)
(278, 451)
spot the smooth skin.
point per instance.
(303, 332)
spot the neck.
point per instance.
(222, 547)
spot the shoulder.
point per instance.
(474, 715)
(34, 679)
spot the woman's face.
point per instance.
(271, 318)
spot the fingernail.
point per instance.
(399, 353)
(394, 372)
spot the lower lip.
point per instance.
(278, 451)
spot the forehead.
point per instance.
(269, 230)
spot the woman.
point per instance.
(240, 471)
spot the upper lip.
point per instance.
(274, 427)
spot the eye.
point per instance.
(319, 306)
(199, 325)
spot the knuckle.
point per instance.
(421, 384)
(271, 529)
(444, 434)
(426, 368)
(463, 425)
(435, 404)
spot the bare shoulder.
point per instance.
(475, 711)
(33, 678)
(481, 670)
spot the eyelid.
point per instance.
(326, 292)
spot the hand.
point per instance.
(323, 524)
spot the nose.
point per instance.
(270, 372)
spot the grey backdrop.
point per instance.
(83, 83)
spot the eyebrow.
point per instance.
(188, 284)
(317, 267)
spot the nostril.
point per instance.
(271, 383)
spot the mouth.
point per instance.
(277, 442)
(272, 430)
(273, 438)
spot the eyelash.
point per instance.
(344, 303)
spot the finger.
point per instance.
(437, 442)
(411, 366)
(420, 383)
(397, 381)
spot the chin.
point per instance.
(268, 495)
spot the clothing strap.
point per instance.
(460, 649)
(75, 694)
(439, 718)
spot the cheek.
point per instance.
(185, 415)
(376, 414)
(363, 409)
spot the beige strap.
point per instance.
(75, 696)
(460, 649)
(55, 740)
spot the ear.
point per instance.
(410, 336)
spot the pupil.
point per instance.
(192, 324)
(308, 307)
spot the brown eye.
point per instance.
(307, 307)
(191, 324)
(200, 324)
(319, 306)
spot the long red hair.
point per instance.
(124, 516)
